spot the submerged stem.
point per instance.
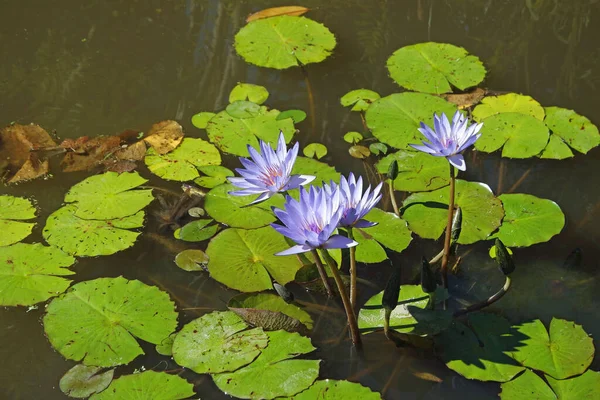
(354, 333)
(393, 198)
(448, 236)
(482, 304)
(353, 289)
(322, 273)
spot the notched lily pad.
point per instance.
(315, 150)
(82, 381)
(148, 385)
(201, 119)
(196, 231)
(243, 109)
(359, 99)
(330, 389)
(247, 91)
(508, 103)
(571, 129)
(215, 175)
(417, 171)
(13, 212)
(527, 386)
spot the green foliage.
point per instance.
(296, 115)
(390, 231)
(82, 381)
(148, 385)
(331, 389)
(417, 171)
(243, 109)
(508, 103)
(196, 231)
(527, 386)
(531, 386)
(182, 163)
(12, 211)
(353, 137)
(315, 150)
(569, 130)
(359, 99)
(192, 260)
(201, 119)
(310, 166)
(215, 176)
(247, 91)
(378, 148)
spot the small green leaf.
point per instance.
(359, 99)
(182, 163)
(83, 381)
(192, 260)
(310, 166)
(270, 312)
(165, 347)
(369, 250)
(330, 389)
(201, 119)
(417, 171)
(353, 137)
(315, 150)
(148, 385)
(247, 91)
(575, 130)
(215, 175)
(525, 387)
(296, 115)
(243, 109)
(378, 148)
(360, 152)
(12, 211)
(508, 103)
(556, 149)
(196, 231)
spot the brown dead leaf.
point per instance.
(277, 11)
(120, 166)
(33, 168)
(164, 136)
(428, 377)
(85, 153)
(466, 100)
(133, 152)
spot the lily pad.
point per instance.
(427, 212)
(394, 119)
(82, 381)
(527, 386)
(109, 196)
(245, 260)
(233, 135)
(273, 373)
(519, 135)
(165, 347)
(353, 137)
(88, 237)
(201, 119)
(556, 149)
(360, 152)
(359, 99)
(215, 176)
(182, 163)
(417, 171)
(433, 67)
(390, 231)
(192, 260)
(508, 103)
(196, 231)
(270, 312)
(481, 353)
(368, 250)
(378, 148)
(315, 150)
(573, 129)
(565, 352)
(12, 211)
(148, 385)
(243, 109)
(585, 386)
(528, 220)
(296, 115)
(323, 172)
(247, 91)
(410, 315)
(97, 322)
(30, 273)
(217, 342)
(330, 389)
(284, 41)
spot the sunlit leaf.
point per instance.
(243, 109)
(13, 210)
(508, 103)
(201, 119)
(192, 260)
(417, 171)
(315, 150)
(196, 231)
(368, 249)
(527, 386)
(247, 91)
(215, 175)
(573, 129)
(358, 151)
(378, 148)
(277, 11)
(390, 231)
(353, 137)
(359, 99)
(82, 381)
(164, 136)
(323, 172)
(556, 149)
(330, 389)
(148, 385)
(296, 115)
(584, 386)
(182, 163)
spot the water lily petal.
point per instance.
(339, 242)
(458, 161)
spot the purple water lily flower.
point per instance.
(354, 203)
(448, 140)
(269, 172)
(310, 222)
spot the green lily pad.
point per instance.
(573, 129)
(88, 237)
(417, 171)
(284, 41)
(310, 166)
(245, 260)
(97, 322)
(243, 109)
(165, 347)
(427, 212)
(247, 91)
(394, 119)
(353, 137)
(378, 148)
(432, 67)
(359, 99)
(12, 211)
(217, 342)
(368, 250)
(235, 210)
(519, 135)
(83, 381)
(196, 231)
(215, 176)
(410, 315)
(585, 386)
(330, 389)
(270, 312)
(315, 150)
(390, 231)
(273, 373)
(556, 149)
(528, 220)
(233, 135)
(182, 163)
(565, 352)
(201, 119)
(109, 196)
(360, 152)
(30, 273)
(296, 115)
(508, 103)
(525, 387)
(148, 385)
(192, 260)
(481, 353)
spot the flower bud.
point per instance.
(503, 258)
(392, 172)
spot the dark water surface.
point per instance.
(100, 67)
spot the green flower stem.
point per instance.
(353, 291)
(322, 273)
(482, 304)
(391, 334)
(352, 324)
(393, 198)
(448, 236)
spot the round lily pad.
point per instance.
(181, 164)
(215, 176)
(483, 352)
(417, 171)
(508, 103)
(584, 386)
(233, 135)
(566, 351)
(192, 260)
(394, 119)
(247, 91)
(284, 41)
(528, 220)
(201, 119)
(573, 129)
(30, 273)
(330, 389)
(360, 152)
(359, 99)
(315, 150)
(296, 115)
(217, 342)
(109, 196)
(527, 386)
(245, 260)
(148, 385)
(435, 67)
(243, 109)
(12, 211)
(88, 237)
(82, 381)
(274, 373)
(427, 212)
(97, 322)
(196, 231)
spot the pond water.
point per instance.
(97, 68)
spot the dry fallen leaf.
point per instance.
(466, 100)
(164, 136)
(85, 153)
(277, 11)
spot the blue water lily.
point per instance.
(354, 203)
(269, 171)
(311, 221)
(449, 140)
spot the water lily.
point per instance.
(449, 139)
(310, 221)
(269, 171)
(353, 202)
